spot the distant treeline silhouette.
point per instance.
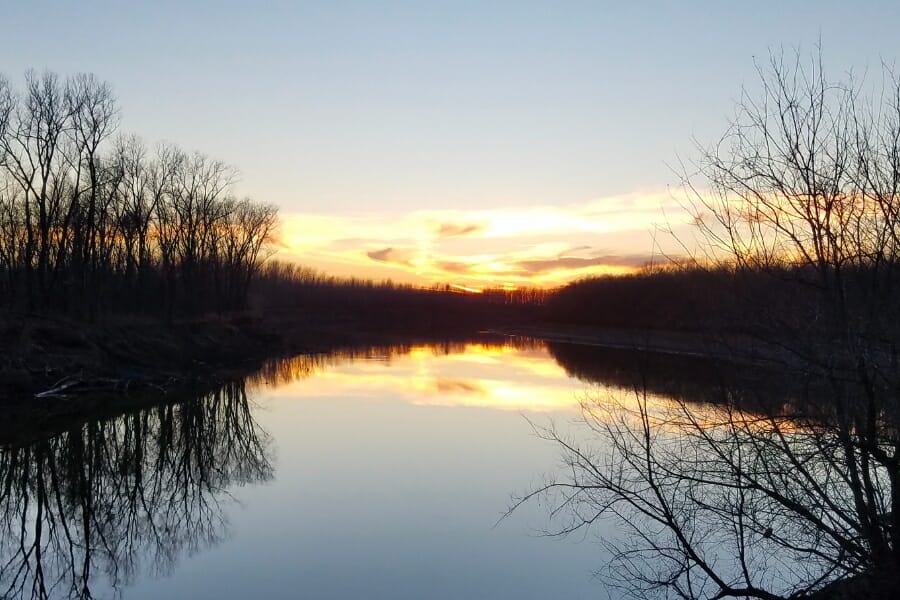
(92, 223)
(387, 305)
(653, 298)
(754, 300)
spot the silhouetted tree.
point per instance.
(92, 224)
(799, 204)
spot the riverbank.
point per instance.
(47, 356)
(56, 373)
(738, 349)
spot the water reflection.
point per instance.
(725, 480)
(93, 507)
(665, 378)
(290, 369)
(515, 374)
(512, 374)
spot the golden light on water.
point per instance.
(470, 375)
(521, 376)
(515, 377)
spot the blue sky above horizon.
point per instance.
(384, 122)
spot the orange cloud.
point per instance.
(535, 245)
(446, 230)
(537, 266)
(392, 255)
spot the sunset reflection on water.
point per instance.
(507, 376)
(518, 374)
(399, 460)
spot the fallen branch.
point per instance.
(59, 387)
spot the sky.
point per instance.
(472, 143)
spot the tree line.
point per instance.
(92, 221)
(387, 306)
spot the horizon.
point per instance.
(352, 299)
(501, 146)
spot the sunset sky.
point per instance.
(478, 143)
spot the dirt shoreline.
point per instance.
(55, 373)
(43, 357)
(52, 356)
(733, 348)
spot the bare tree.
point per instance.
(248, 229)
(87, 230)
(801, 194)
(94, 117)
(32, 151)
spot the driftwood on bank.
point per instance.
(77, 384)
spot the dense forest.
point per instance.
(92, 222)
(282, 288)
(95, 222)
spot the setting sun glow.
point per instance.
(470, 250)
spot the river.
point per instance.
(374, 473)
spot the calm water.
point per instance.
(376, 474)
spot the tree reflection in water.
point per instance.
(125, 495)
(763, 485)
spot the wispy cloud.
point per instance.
(534, 245)
(573, 263)
(454, 267)
(446, 230)
(398, 256)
